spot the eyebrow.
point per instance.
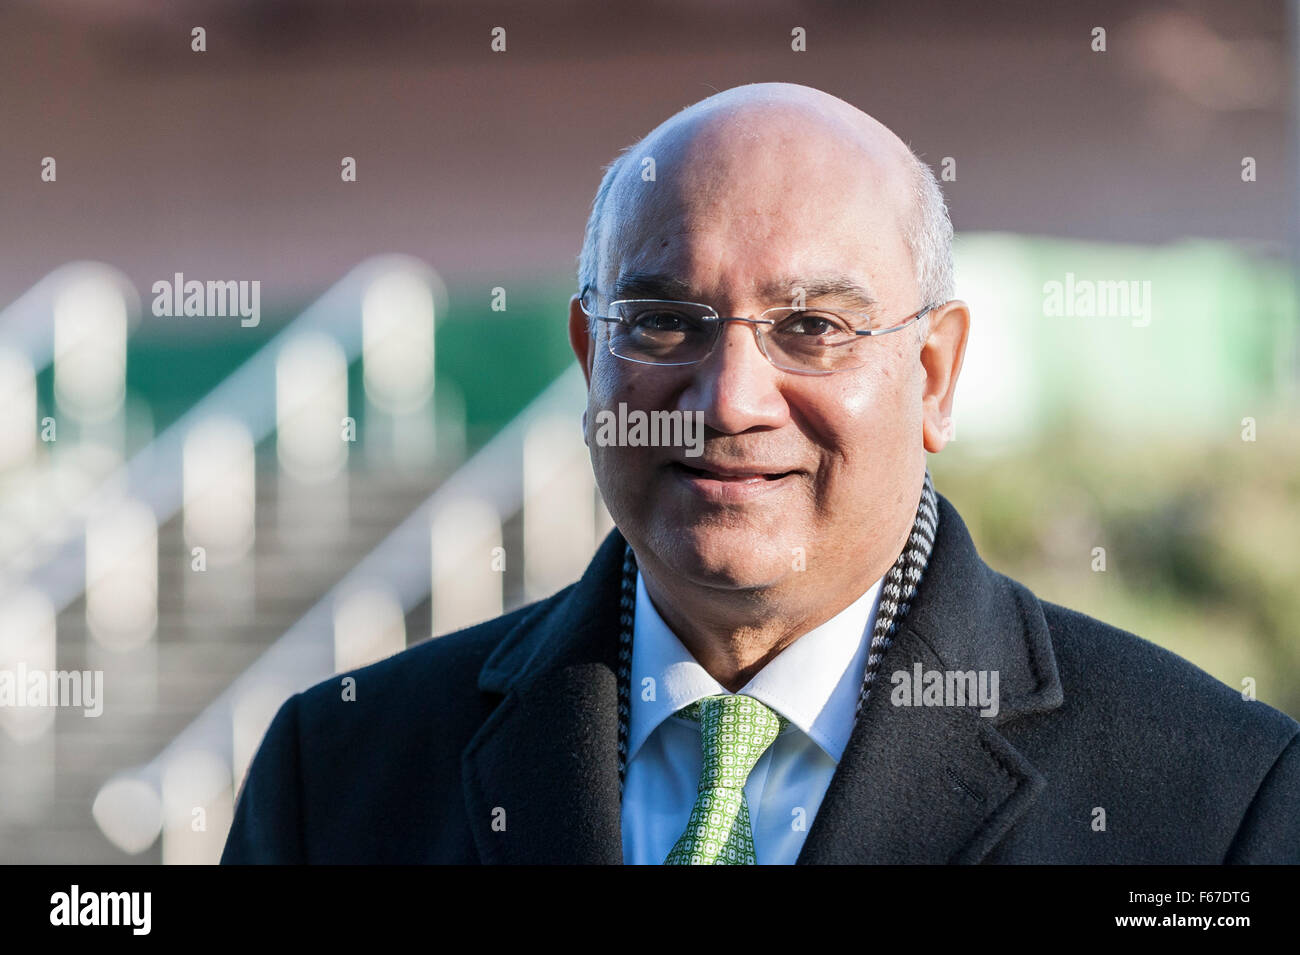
(839, 288)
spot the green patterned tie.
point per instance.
(735, 730)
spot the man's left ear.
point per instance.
(941, 356)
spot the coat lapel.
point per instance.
(541, 774)
(938, 784)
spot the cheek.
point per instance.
(639, 387)
(864, 427)
(883, 385)
(602, 395)
(612, 381)
(615, 383)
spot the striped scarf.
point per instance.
(896, 592)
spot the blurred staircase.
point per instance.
(211, 627)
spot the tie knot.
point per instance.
(735, 731)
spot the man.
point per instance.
(789, 650)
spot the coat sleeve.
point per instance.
(1270, 829)
(268, 824)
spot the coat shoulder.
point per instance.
(1107, 667)
(355, 764)
(1185, 768)
(437, 677)
(1131, 703)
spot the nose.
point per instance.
(736, 387)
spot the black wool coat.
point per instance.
(498, 744)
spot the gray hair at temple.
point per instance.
(928, 237)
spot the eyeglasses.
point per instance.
(805, 341)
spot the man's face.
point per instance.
(797, 470)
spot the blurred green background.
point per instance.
(1170, 440)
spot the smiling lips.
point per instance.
(728, 484)
(732, 474)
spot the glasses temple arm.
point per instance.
(901, 325)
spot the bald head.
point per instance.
(753, 151)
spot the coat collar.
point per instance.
(545, 763)
(915, 784)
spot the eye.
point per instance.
(813, 325)
(661, 320)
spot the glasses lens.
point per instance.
(812, 340)
(662, 333)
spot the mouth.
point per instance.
(731, 475)
(732, 485)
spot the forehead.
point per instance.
(736, 207)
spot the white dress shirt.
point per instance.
(814, 683)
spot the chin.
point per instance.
(728, 558)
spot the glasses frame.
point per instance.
(754, 323)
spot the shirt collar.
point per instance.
(814, 682)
